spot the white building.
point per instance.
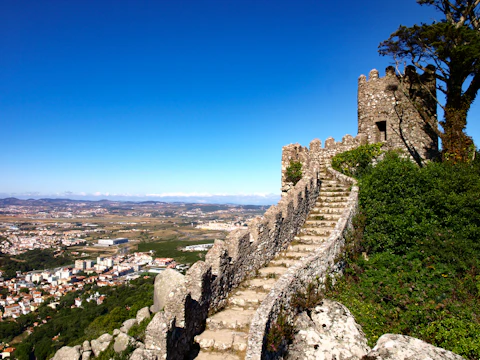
(111, 242)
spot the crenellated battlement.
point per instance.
(315, 154)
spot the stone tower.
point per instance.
(399, 111)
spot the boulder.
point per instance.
(402, 347)
(142, 314)
(86, 355)
(328, 332)
(127, 324)
(121, 342)
(141, 354)
(105, 338)
(156, 333)
(116, 332)
(165, 283)
(67, 353)
(86, 346)
(101, 344)
(138, 354)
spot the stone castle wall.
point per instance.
(318, 265)
(399, 111)
(205, 287)
(312, 158)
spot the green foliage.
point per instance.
(74, 325)
(171, 248)
(279, 334)
(459, 333)
(358, 161)
(420, 230)
(32, 260)
(293, 173)
(9, 329)
(137, 331)
(453, 45)
(434, 209)
(305, 300)
(110, 354)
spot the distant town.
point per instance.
(106, 243)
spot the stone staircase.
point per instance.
(226, 334)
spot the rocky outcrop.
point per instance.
(142, 314)
(67, 353)
(86, 346)
(127, 325)
(165, 283)
(401, 347)
(101, 344)
(92, 349)
(328, 332)
(121, 342)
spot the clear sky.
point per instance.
(180, 96)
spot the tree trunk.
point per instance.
(457, 146)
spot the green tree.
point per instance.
(450, 51)
(294, 172)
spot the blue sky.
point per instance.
(180, 97)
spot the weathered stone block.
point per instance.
(165, 282)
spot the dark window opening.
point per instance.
(382, 130)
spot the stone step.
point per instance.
(213, 355)
(331, 199)
(315, 231)
(334, 187)
(309, 239)
(327, 210)
(222, 340)
(272, 272)
(306, 248)
(334, 201)
(247, 298)
(234, 318)
(290, 254)
(328, 200)
(326, 216)
(260, 284)
(283, 262)
(320, 221)
(329, 193)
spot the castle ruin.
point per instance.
(400, 111)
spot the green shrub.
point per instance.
(293, 173)
(280, 334)
(137, 331)
(358, 161)
(421, 273)
(304, 300)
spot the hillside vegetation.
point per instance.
(32, 260)
(413, 260)
(71, 326)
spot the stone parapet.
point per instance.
(313, 158)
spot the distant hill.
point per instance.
(267, 199)
(108, 203)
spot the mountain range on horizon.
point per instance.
(253, 199)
